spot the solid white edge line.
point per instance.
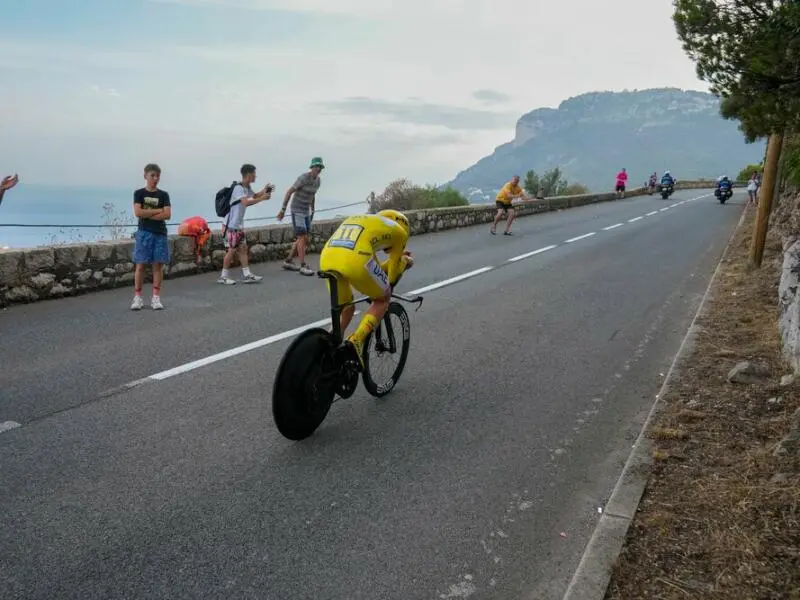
(634, 219)
(439, 284)
(650, 214)
(528, 254)
(580, 237)
(610, 227)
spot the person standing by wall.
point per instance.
(303, 195)
(233, 232)
(752, 189)
(509, 192)
(9, 181)
(152, 207)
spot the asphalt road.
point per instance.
(479, 476)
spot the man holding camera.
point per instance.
(233, 228)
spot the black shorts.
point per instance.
(503, 207)
(620, 187)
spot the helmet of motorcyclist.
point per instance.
(397, 217)
(666, 172)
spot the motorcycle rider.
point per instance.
(723, 185)
(667, 179)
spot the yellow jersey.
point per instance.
(509, 191)
(362, 236)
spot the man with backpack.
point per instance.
(232, 203)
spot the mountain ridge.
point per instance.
(593, 135)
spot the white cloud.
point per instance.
(441, 84)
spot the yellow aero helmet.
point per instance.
(397, 217)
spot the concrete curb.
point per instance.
(593, 575)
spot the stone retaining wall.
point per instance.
(32, 274)
(786, 223)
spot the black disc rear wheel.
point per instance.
(386, 351)
(304, 385)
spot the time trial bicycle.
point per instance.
(318, 366)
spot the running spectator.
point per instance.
(622, 179)
(303, 195)
(9, 181)
(152, 207)
(233, 228)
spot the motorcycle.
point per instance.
(666, 190)
(723, 195)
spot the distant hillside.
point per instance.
(592, 136)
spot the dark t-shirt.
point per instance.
(150, 200)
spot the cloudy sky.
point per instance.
(94, 89)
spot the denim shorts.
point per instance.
(151, 248)
(301, 224)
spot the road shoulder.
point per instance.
(704, 505)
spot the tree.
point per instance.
(553, 183)
(749, 51)
(748, 171)
(531, 183)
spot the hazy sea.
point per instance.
(37, 215)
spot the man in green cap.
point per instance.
(304, 191)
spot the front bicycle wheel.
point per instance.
(302, 394)
(388, 345)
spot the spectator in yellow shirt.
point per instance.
(509, 192)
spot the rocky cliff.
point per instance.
(593, 135)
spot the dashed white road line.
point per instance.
(8, 425)
(634, 219)
(651, 213)
(196, 364)
(663, 209)
(529, 254)
(580, 237)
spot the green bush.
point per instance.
(551, 183)
(403, 195)
(746, 173)
(790, 160)
(575, 189)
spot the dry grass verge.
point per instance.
(720, 517)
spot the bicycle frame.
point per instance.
(336, 309)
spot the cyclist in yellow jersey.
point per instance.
(351, 254)
(507, 193)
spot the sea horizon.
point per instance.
(34, 215)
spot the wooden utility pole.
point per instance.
(765, 194)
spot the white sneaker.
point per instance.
(138, 303)
(155, 303)
(226, 281)
(290, 266)
(304, 270)
(252, 278)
